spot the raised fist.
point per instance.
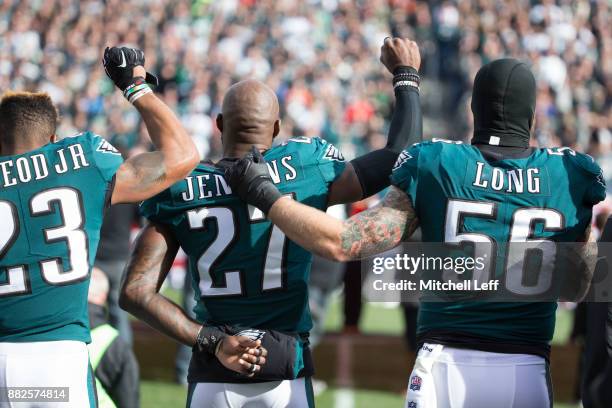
(397, 52)
(123, 65)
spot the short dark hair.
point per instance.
(27, 114)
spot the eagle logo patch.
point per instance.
(401, 159)
(332, 153)
(252, 334)
(105, 147)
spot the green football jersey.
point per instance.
(244, 270)
(460, 196)
(52, 202)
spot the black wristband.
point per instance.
(266, 194)
(404, 69)
(406, 126)
(405, 77)
(208, 339)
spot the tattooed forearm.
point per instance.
(150, 262)
(369, 232)
(379, 228)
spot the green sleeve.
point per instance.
(329, 160)
(149, 209)
(161, 208)
(107, 159)
(596, 190)
(152, 209)
(594, 180)
(406, 170)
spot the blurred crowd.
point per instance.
(321, 57)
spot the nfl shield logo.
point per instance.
(415, 383)
(412, 404)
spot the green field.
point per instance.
(381, 318)
(376, 318)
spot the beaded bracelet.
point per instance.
(406, 77)
(135, 96)
(136, 90)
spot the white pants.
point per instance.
(273, 394)
(43, 365)
(446, 377)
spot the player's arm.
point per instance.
(368, 174)
(147, 174)
(582, 258)
(370, 232)
(146, 270)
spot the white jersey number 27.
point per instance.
(227, 228)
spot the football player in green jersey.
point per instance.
(496, 190)
(53, 194)
(247, 276)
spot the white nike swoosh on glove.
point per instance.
(123, 64)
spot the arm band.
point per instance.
(406, 126)
(209, 338)
(373, 169)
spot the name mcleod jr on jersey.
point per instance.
(35, 167)
(214, 185)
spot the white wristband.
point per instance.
(406, 83)
(133, 98)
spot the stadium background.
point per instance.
(321, 58)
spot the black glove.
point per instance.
(288, 357)
(250, 179)
(119, 63)
(209, 338)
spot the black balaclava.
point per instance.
(503, 103)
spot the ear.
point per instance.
(219, 122)
(53, 138)
(277, 125)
